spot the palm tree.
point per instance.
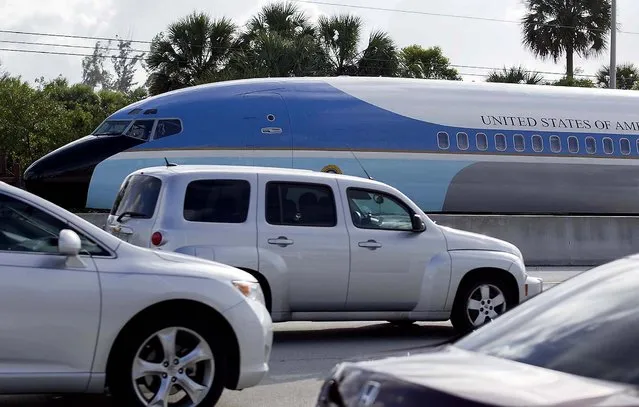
(380, 58)
(340, 36)
(552, 28)
(627, 76)
(515, 75)
(195, 50)
(279, 41)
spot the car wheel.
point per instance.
(478, 302)
(175, 361)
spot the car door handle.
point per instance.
(371, 244)
(281, 241)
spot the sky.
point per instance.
(468, 43)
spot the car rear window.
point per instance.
(137, 197)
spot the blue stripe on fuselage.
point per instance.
(425, 182)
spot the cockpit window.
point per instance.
(112, 128)
(168, 128)
(141, 129)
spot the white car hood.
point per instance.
(205, 267)
(171, 263)
(462, 240)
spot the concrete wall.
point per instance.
(545, 241)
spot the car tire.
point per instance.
(480, 300)
(143, 344)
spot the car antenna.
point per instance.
(168, 164)
(360, 164)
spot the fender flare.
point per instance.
(464, 262)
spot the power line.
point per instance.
(426, 13)
(83, 37)
(48, 44)
(33, 51)
(364, 58)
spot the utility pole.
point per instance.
(613, 47)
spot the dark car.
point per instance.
(574, 345)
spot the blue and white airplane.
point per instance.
(453, 147)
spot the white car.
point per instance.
(83, 312)
(324, 247)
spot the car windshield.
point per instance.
(112, 128)
(588, 326)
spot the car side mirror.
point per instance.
(418, 223)
(69, 243)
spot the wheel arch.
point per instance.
(493, 273)
(181, 305)
(266, 286)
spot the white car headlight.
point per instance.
(250, 290)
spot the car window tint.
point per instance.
(24, 228)
(138, 197)
(377, 210)
(300, 204)
(217, 201)
(585, 326)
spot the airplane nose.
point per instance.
(63, 176)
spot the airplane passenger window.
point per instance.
(573, 144)
(537, 143)
(167, 128)
(625, 146)
(555, 144)
(591, 145)
(141, 129)
(607, 144)
(462, 141)
(442, 140)
(500, 142)
(482, 142)
(520, 144)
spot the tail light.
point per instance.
(156, 238)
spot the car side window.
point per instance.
(300, 204)
(217, 201)
(377, 210)
(24, 228)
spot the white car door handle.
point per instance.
(281, 241)
(371, 244)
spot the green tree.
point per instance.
(515, 74)
(380, 58)
(627, 76)
(124, 66)
(579, 83)
(340, 35)
(31, 124)
(552, 28)
(279, 41)
(194, 50)
(426, 63)
(93, 71)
